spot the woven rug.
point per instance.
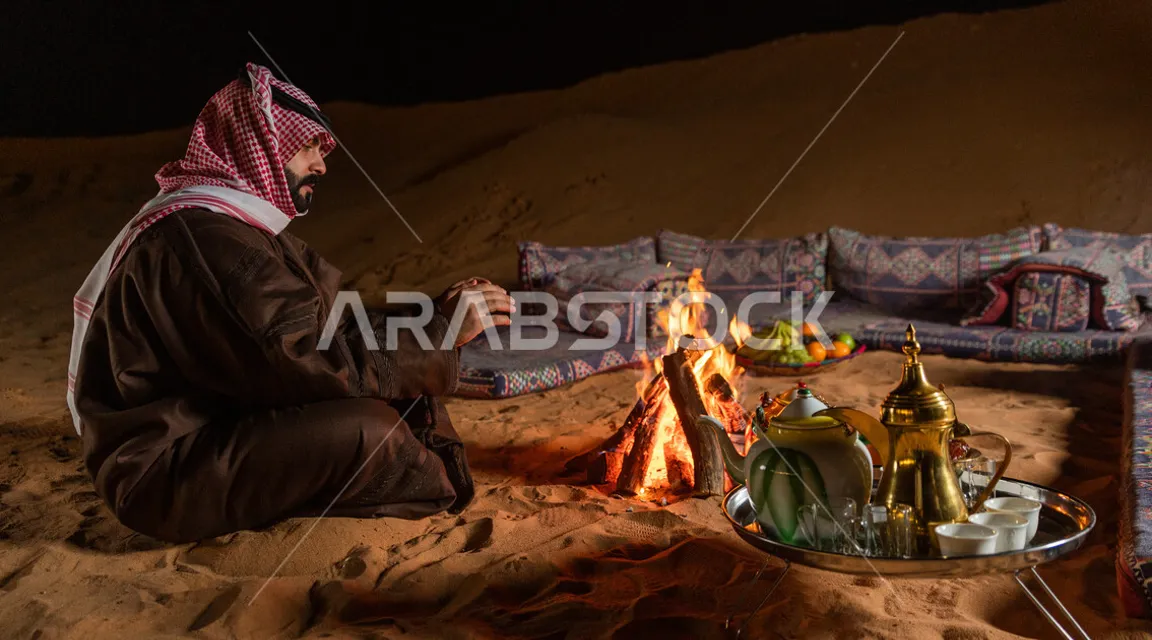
(488, 372)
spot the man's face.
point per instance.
(303, 172)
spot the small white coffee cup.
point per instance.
(965, 539)
(1026, 507)
(1011, 528)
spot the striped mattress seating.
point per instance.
(1134, 551)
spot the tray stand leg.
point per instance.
(755, 579)
(1044, 610)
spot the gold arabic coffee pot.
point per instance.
(917, 424)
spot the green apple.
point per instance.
(847, 339)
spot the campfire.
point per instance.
(660, 449)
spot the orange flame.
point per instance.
(681, 320)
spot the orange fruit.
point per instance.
(839, 349)
(817, 351)
(809, 330)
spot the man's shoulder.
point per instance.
(202, 224)
(210, 234)
(203, 240)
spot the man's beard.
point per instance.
(301, 200)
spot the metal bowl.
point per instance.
(1065, 522)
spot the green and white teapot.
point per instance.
(796, 459)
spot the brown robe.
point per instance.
(207, 406)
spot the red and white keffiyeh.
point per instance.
(234, 165)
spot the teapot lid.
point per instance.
(915, 401)
(802, 403)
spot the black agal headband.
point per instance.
(282, 98)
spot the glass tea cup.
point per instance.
(886, 531)
(968, 471)
(830, 525)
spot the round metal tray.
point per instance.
(765, 368)
(1065, 522)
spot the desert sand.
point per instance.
(973, 124)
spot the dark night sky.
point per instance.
(81, 69)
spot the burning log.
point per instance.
(636, 463)
(660, 439)
(708, 465)
(719, 387)
(605, 463)
(679, 468)
(728, 411)
(731, 412)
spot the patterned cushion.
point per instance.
(539, 263)
(902, 274)
(1137, 251)
(618, 276)
(1001, 343)
(1112, 307)
(1134, 552)
(733, 270)
(1051, 302)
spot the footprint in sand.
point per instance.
(9, 582)
(556, 494)
(216, 608)
(478, 535)
(963, 633)
(436, 546)
(61, 484)
(64, 449)
(522, 502)
(354, 564)
(102, 532)
(85, 499)
(644, 525)
(942, 599)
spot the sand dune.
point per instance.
(973, 124)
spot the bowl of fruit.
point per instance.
(797, 350)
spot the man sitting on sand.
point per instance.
(204, 400)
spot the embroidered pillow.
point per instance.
(667, 282)
(900, 274)
(1112, 306)
(1051, 301)
(733, 270)
(1136, 249)
(540, 263)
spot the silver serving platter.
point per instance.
(1065, 523)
